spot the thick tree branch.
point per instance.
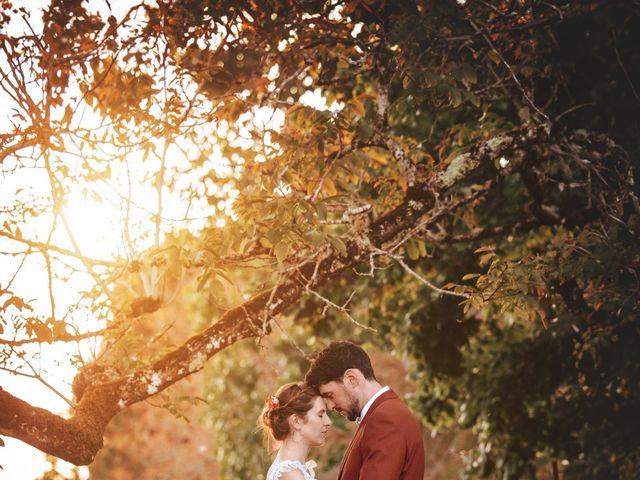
(78, 439)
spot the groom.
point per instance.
(388, 444)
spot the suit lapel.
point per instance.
(388, 395)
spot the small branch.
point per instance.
(292, 341)
(624, 70)
(434, 215)
(79, 255)
(513, 75)
(339, 154)
(40, 379)
(159, 186)
(423, 280)
(66, 337)
(7, 151)
(256, 252)
(406, 165)
(342, 309)
(52, 301)
(354, 211)
(382, 106)
(481, 234)
(573, 109)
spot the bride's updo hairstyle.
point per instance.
(290, 399)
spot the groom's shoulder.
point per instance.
(393, 414)
(390, 403)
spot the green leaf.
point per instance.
(473, 98)
(223, 274)
(265, 242)
(422, 246)
(322, 211)
(364, 130)
(467, 75)
(216, 286)
(316, 238)
(455, 97)
(338, 244)
(431, 78)
(202, 281)
(470, 276)
(413, 250)
(274, 236)
(281, 250)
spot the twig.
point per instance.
(423, 280)
(624, 70)
(41, 380)
(62, 251)
(513, 75)
(66, 337)
(573, 109)
(341, 308)
(159, 186)
(292, 340)
(480, 234)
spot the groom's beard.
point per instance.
(353, 411)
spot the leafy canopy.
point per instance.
(469, 194)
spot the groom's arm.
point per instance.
(384, 449)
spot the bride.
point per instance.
(296, 418)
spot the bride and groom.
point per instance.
(387, 444)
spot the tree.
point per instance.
(457, 127)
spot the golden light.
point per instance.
(113, 218)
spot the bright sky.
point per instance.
(94, 225)
(97, 227)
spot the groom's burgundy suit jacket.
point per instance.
(387, 445)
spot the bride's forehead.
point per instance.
(318, 403)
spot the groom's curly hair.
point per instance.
(330, 363)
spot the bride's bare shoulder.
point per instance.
(292, 475)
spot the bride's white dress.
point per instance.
(276, 471)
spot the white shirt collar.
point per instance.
(367, 405)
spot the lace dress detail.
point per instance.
(276, 471)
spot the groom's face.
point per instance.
(340, 399)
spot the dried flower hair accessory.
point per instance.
(272, 402)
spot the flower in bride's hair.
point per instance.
(272, 402)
